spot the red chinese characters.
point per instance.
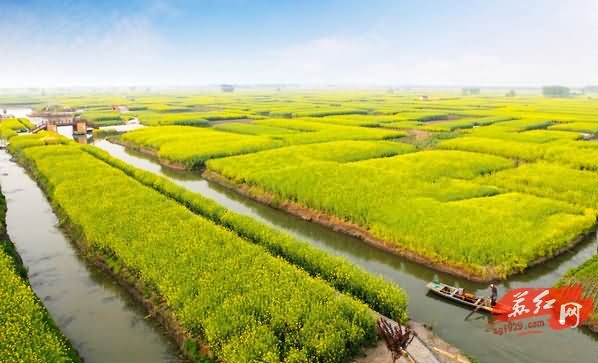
(566, 306)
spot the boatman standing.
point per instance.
(493, 294)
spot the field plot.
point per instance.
(313, 132)
(10, 127)
(464, 123)
(191, 147)
(102, 118)
(549, 180)
(341, 153)
(27, 332)
(577, 154)
(420, 202)
(255, 129)
(233, 295)
(479, 186)
(539, 136)
(381, 295)
(586, 127)
(506, 148)
(175, 118)
(587, 276)
(358, 120)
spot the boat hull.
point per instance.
(474, 301)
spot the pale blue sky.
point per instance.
(458, 42)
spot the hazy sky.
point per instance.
(419, 42)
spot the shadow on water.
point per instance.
(99, 317)
(474, 335)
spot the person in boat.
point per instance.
(460, 291)
(493, 294)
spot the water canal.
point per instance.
(96, 314)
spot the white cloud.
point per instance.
(128, 49)
(69, 51)
(330, 59)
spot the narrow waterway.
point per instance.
(97, 315)
(474, 336)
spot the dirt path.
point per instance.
(416, 137)
(420, 135)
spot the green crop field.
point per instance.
(382, 296)
(586, 127)
(585, 275)
(314, 132)
(192, 146)
(176, 118)
(227, 291)
(10, 127)
(422, 210)
(481, 185)
(298, 181)
(451, 206)
(102, 118)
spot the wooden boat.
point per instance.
(460, 296)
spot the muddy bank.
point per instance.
(363, 234)
(192, 348)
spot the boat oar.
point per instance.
(478, 306)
